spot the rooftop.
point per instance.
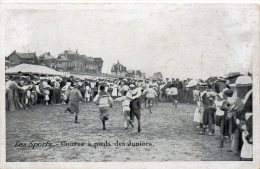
(25, 55)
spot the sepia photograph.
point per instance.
(130, 82)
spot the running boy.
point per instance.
(74, 97)
(125, 99)
(104, 101)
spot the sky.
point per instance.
(179, 40)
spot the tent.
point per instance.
(34, 69)
(192, 83)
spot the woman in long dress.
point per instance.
(114, 91)
(225, 120)
(87, 93)
(11, 87)
(198, 114)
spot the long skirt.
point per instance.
(17, 102)
(87, 94)
(198, 115)
(56, 96)
(208, 117)
(236, 143)
(10, 99)
(224, 126)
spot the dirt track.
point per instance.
(168, 135)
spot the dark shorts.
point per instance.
(74, 107)
(174, 97)
(104, 114)
(135, 113)
(218, 120)
(224, 126)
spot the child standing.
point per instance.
(87, 93)
(75, 97)
(46, 92)
(104, 101)
(199, 109)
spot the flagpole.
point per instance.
(201, 62)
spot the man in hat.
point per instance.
(135, 106)
(75, 97)
(10, 88)
(56, 91)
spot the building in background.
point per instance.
(135, 74)
(16, 58)
(48, 60)
(118, 70)
(99, 64)
(156, 76)
(80, 63)
(68, 61)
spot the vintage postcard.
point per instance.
(167, 83)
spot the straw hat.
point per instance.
(132, 86)
(46, 86)
(75, 84)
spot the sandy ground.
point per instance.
(168, 135)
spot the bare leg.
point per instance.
(139, 125)
(149, 106)
(221, 142)
(76, 118)
(104, 124)
(126, 119)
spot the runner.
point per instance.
(74, 97)
(125, 99)
(151, 95)
(104, 101)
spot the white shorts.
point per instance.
(126, 108)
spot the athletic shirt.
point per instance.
(173, 91)
(167, 91)
(88, 89)
(151, 93)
